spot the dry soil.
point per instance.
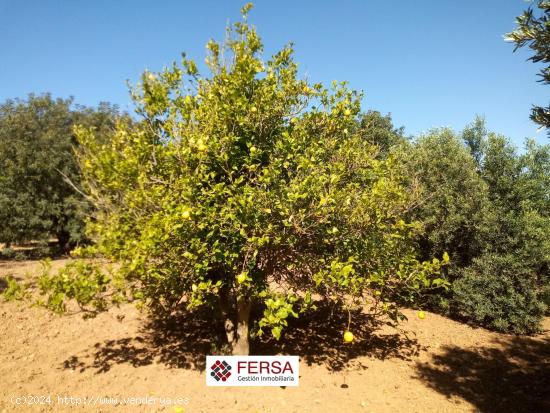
(430, 365)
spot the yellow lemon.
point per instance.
(253, 109)
(347, 112)
(421, 315)
(185, 214)
(348, 336)
(241, 277)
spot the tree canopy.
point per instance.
(253, 187)
(38, 169)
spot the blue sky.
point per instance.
(430, 63)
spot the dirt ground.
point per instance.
(430, 365)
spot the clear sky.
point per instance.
(430, 63)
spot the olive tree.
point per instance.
(454, 203)
(533, 31)
(39, 175)
(250, 187)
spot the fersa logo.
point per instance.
(220, 370)
(252, 370)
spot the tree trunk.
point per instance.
(63, 238)
(240, 344)
(226, 304)
(235, 322)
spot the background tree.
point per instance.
(474, 136)
(379, 130)
(252, 187)
(506, 286)
(36, 163)
(487, 206)
(533, 31)
(519, 191)
(454, 203)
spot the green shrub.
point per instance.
(15, 291)
(498, 292)
(85, 282)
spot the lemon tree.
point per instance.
(251, 186)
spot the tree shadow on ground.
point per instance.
(318, 339)
(179, 341)
(184, 339)
(512, 376)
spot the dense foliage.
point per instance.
(252, 186)
(498, 292)
(38, 170)
(488, 207)
(455, 201)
